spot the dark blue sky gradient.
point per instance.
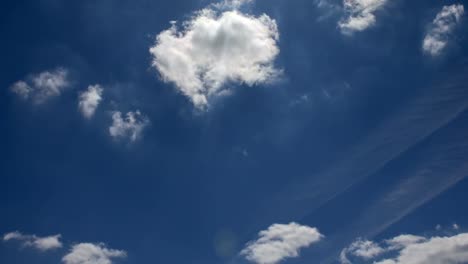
(378, 113)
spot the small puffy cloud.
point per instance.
(215, 48)
(279, 242)
(411, 249)
(442, 27)
(88, 253)
(89, 100)
(129, 126)
(361, 248)
(40, 87)
(22, 89)
(40, 243)
(359, 15)
(403, 241)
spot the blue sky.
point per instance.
(237, 131)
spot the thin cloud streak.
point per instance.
(421, 118)
(440, 163)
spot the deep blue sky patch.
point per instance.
(237, 131)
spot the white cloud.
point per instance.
(280, 241)
(42, 86)
(365, 249)
(87, 253)
(359, 15)
(40, 243)
(403, 241)
(216, 48)
(327, 8)
(231, 4)
(89, 100)
(411, 249)
(130, 126)
(442, 26)
(22, 89)
(436, 250)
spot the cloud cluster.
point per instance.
(441, 28)
(216, 48)
(40, 87)
(43, 86)
(88, 253)
(280, 241)
(131, 126)
(89, 100)
(359, 15)
(411, 249)
(82, 253)
(40, 243)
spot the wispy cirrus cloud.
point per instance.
(442, 27)
(41, 87)
(89, 253)
(280, 241)
(216, 47)
(359, 15)
(33, 241)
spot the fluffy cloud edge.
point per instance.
(89, 100)
(42, 86)
(214, 49)
(40, 243)
(130, 126)
(91, 253)
(279, 242)
(443, 25)
(410, 249)
(359, 15)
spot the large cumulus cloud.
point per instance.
(215, 48)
